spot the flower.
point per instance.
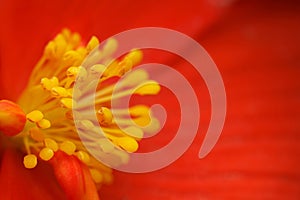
(255, 45)
(56, 110)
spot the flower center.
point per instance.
(49, 104)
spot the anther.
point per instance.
(68, 147)
(97, 69)
(46, 154)
(59, 92)
(135, 56)
(127, 143)
(72, 58)
(72, 72)
(86, 124)
(148, 88)
(30, 161)
(104, 116)
(67, 102)
(106, 145)
(82, 74)
(134, 131)
(83, 156)
(48, 84)
(139, 110)
(92, 44)
(35, 116)
(96, 175)
(110, 46)
(44, 123)
(51, 144)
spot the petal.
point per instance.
(20, 50)
(19, 183)
(256, 47)
(74, 177)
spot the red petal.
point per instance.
(16, 182)
(256, 48)
(20, 50)
(74, 177)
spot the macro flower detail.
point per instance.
(42, 124)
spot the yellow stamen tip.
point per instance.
(72, 71)
(106, 146)
(86, 124)
(44, 123)
(110, 46)
(82, 74)
(125, 66)
(30, 161)
(135, 56)
(67, 102)
(134, 132)
(104, 116)
(46, 154)
(97, 69)
(35, 116)
(59, 92)
(148, 88)
(139, 110)
(48, 84)
(96, 175)
(142, 120)
(68, 147)
(127, 143)
(72, 58)
(92, 44)
(51, 144)
(83, 156)
(50, 50)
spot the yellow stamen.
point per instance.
(51, 144)
(48, 84)
(59, 92)
(72, 58)
(92, 44)
(35, 116)
(83, 156)
(135, 56)
(67, 102)
(46, 154)
(68, 147)
(127, 143)
(72, 72)
(96, 175)
(44, 123)
(86, 124)
(104, 116)
(97, 69)
(51, 126)
(149, 88)
(30, 161)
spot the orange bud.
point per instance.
(12, 118)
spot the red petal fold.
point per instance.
(74, 177)
(17, 182)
